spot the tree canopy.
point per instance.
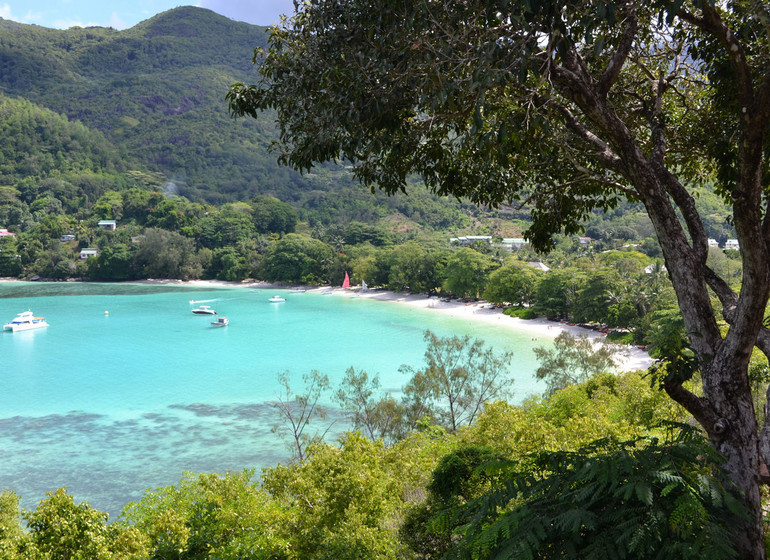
(566, 107)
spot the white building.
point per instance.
(514, 243)
(86, 253)
(539, 266)
(470, 239)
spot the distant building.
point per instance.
(732, 244)
(584, 240)
(514, 243)
(68, 237)
(470, 239)
(6, 233)
(650, 268)
(109, 225)
(87, 253)
(713, 243)
(540, 266)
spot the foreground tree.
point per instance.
(376, 414)
(567, 106)
(459, 377)
(644, 498)
(297, 410)
(573, 360)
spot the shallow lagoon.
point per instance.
(127, 389)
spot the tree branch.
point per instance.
(604, 152)
(695, 405)
(619, 57)
(712, 24)
(727, 297)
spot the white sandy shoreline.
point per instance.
(632, 359)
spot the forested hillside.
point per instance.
(157, 91)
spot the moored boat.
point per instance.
(276, 299)
(25, 321)
(204, 310)
(220, 322)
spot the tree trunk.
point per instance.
(734, 434)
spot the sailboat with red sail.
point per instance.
(346, 282)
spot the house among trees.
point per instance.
(470, 239)
(5, 233)
(86, 253)
(713, 242)
(732, 244)
(539, 266)
(68, 237)
(109, 225)
(514, 243)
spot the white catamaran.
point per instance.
(25, 321)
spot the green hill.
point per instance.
(157, 91)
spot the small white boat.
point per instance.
(276, 299)
(204, 310)
(220, 322)
(25, 321)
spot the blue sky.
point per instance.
(122, 14)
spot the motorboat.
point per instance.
(276, 299)
(204, 310)
(25, 321)
(220, 322)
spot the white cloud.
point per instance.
(116, 22)
(68, 23)
(32, 17)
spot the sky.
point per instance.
(122, 14)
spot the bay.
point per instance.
(127, 389)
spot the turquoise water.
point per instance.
(127, 389)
